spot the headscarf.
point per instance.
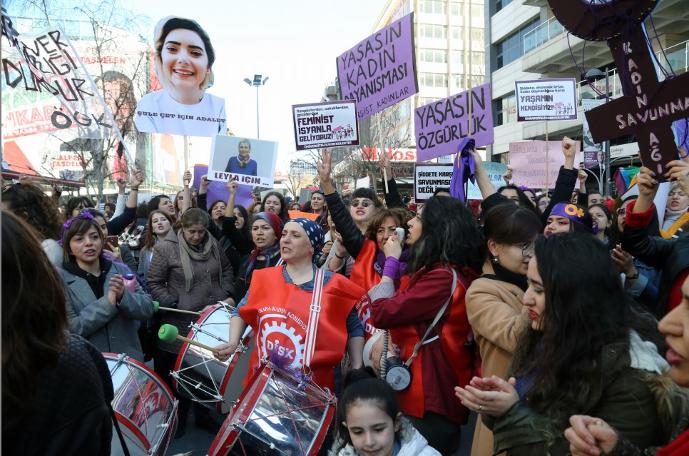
(577, 215)
(270, 251)
(314, 233)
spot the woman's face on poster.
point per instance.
(184, 59)
(244, 151)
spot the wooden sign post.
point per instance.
(648, 106)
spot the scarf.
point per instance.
(187, 253)
(269, 253)
(505, 275)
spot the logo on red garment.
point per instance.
(279, 340)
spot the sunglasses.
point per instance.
(362, 203)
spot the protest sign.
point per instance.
(217, 190)
(441, 126)
(535, 164)
(380, 71)
(589, 143)
(546, 99)
(427, 178)
(495, 172)
(184, 68)
(325, 125)
(250, 161)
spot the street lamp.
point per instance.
(257, 82)
(591, 76)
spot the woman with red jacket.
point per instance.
(446, 250)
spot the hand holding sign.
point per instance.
(678, 170)
(648, 186)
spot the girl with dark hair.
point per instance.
(494, 301)
(158, 226)
(38, 210)
(446, 250)
(584, 352)
(369, 421)
(184, 60)
(516, 194)
(274, 202)
(163, 203)
(319, 207)
(602, 220)
(114, 252)
(100, 306)
(47, 373)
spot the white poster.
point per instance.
(250, 161)
(325, 125)
(427, 178)
(546, 99)
(183, 59)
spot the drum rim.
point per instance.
(185, 349)
(232, 435)
(129, 424)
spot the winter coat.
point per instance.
(627, 398)
(412, 443)
(497, 317)
(69, 415)
(166, 281)
(110, 328)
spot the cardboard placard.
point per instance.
(546, 99)
(325, 125)
(250, 161)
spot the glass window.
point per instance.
(457, 57)
(433, 55)
(511, 48)
(433, 79)
(433, 31)
(432, 7)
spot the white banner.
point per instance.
(325, 125)
(546, 99)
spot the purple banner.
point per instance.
(217, 190)
(441, 126)
(380, 71)
(681, 133)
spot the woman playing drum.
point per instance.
(293, 329)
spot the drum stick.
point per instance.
(157, 307)
(169, 333)
(385, 179)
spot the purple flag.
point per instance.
(380, 71)
(441, 127)
(463, 170)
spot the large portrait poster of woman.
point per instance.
(184, 58)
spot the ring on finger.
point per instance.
(480, 408)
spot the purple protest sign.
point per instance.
(217, 190)
(380, 71)
(441, 126)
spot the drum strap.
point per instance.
(314, 315)
(115, 423)
(280, 261)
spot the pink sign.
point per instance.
(529, 165)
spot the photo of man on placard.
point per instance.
(242, 162)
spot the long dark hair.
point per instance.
(524, 200)
(35, 207)
(75, 202)
(586, 309)
(245, 230)
(34, 317)
(150, 237)
(284, 215)
(449, 235)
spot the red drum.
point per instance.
(276, 414)
(201, 377)
(144, 406)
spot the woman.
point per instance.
(369, 421)
(188, 272)
(602, 221)
(582, 353)
(567, 218)
(274, 202)
(100, 306)
(447, 247)
(318, 207)
(163, 203)
(287, 322)
(494, 301)
(242, 163)
(266, 230)
(676, 211)
(47, 373)
(113, 251)
(184, 60)
(158, 226)
(593, 436)
(38, 210)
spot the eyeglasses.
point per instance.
(622, 211)
(527, 249)
(362, 203)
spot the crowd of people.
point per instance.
(560, 318)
